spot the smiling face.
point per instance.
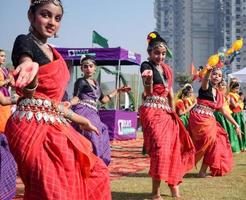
(158, 54)
(216, 76)
(2, 57)
(88, 67)
(46, 20)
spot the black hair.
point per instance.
(234, 85)
(88, 57)
(154, 40)
(36, 4)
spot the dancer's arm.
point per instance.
(108, 98)
(8, 100)
(230, 118)
(83, 122)
(147, 77)
(26, 73)
(171, 99)
(205, 80)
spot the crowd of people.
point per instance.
(61, 149)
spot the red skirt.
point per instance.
(56, 162)
(168, 144)
(211, 142)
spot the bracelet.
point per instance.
(30, 90)
(109, 97)
(60, 108)
(147, 85)
(69, 114)
(236, 126)
(13, 99)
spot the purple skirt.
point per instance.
(101, 145)
(7, 171)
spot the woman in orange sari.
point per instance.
(165, 138)
(54, 161)
(210, 139)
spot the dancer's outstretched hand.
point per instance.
(147, 74)
(89, 127)
(125, 88)
(25, 73)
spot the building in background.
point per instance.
(194, 30)
(235, 28)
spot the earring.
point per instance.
(82, 74)
(30, 29)
(56, 35)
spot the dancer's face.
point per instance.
(158, 54)
(89, 68)
(216, 76)
(46, 20)
(235, 90)
(2, 57)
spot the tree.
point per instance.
(183, 78)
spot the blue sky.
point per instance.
(124, 23)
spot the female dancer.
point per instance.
(184, 103)
(87, 93)
(7, 162)
(236, 105)
(210, 139)
(165, 138)
(225, 123)
(54, 161)
(6, 80)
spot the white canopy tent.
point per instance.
(240, 75)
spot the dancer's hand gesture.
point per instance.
(147, 76)
(89, 127)
(25, 73)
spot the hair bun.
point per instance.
(152, 36)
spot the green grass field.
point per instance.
(229, 187)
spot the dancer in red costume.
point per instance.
(210, 139)
(165, 138)
(54, 161)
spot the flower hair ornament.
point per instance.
(155, 40)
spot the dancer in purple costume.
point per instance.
(87, 94)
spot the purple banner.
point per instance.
(103, 56)
(122, 125)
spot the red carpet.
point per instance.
(127, 159)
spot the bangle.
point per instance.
(147, 85)
(69, 114)
(13, 99)
(30, 90)
(60, 108)
(236, 126)
(110, 98)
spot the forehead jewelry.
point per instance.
(56, 2)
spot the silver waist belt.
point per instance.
(89, 103)
(157, 102)
(39, 109)
(203, 110)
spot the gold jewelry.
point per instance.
(30, 90)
